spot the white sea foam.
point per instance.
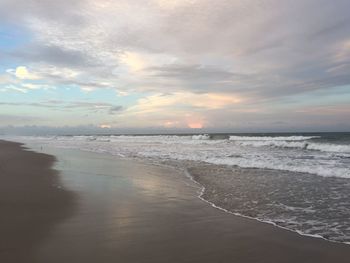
(271, 138)
(274, 143)
(324, 147)
(201, 192)
(201, 137)
(297, 154)
(327, 147)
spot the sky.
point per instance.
(174, 65)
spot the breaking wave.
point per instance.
(323, 147)
(201, 137)
(271, 138)
(302, 154)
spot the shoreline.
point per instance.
(136, 211)
(184, 167)
(31, 204)
(202, 190)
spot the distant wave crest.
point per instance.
(201, 137)
(271, 138)
(323, 147)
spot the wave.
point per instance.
(163, 137)
(324, 159)
(201, 137)
(327, 147)
(323, 147)
(277, 143)
(166, 139)
(201, 192)
(271, 138)
(283, 165)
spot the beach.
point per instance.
(67, 205)
(31, 203)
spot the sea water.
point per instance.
(297, 181)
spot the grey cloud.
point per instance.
(65, 105)
(81, 81)
(63, 11)
(26, 104)
(15, 119)
(327, 118)
(190, 72)
(201, 79)
(197, 78)
(54, 55)
(115, 109)
(95, 106)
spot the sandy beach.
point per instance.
(90, 207)
(30, 202)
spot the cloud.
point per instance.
(93, 107)
(223, 47)
(134, 61)
(13, 88)
(190, 72)
(234, 56)
(186, 100)
(11, 119)
(53, 55)
(21, 10)
(115, 109)
(22, 73)
(21, 79)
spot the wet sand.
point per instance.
(30, 203)
(128, 211)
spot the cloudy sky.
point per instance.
(252, 65)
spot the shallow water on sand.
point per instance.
(129, 211)
(309, 204)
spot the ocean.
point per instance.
(297, 181)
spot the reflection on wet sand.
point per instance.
(134, 212)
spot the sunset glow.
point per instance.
(195, 125)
